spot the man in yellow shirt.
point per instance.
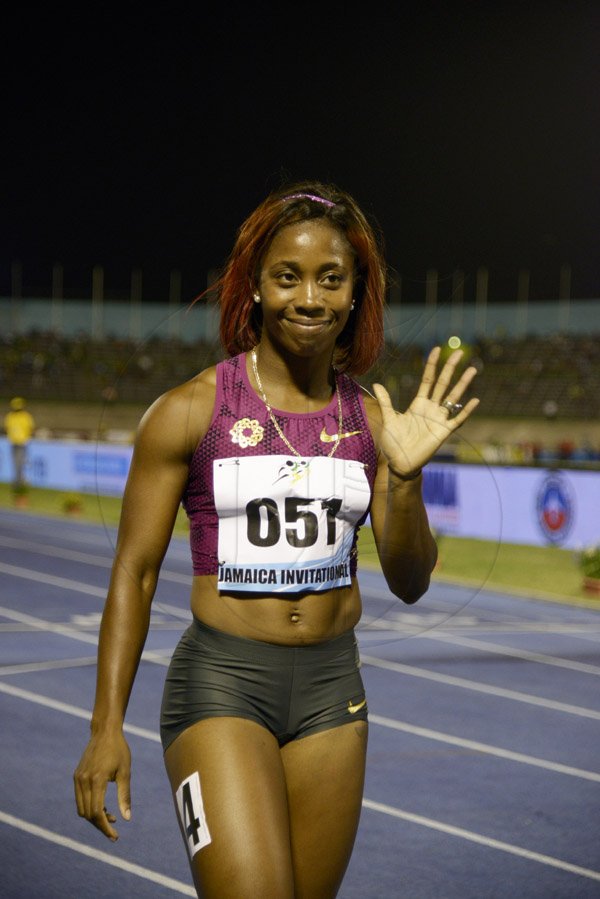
(19, 426)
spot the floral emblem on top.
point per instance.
(247, 432)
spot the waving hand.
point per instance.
(410, 439)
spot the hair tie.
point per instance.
(309, 197)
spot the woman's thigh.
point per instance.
(229, 786)
(324, 774)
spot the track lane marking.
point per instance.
(97, 854)
(53, 665)
(178, 886)
(486, 748)
(42, 577)
(367, 803)
(76, 711)
(478, 838)
(498, 649)
(450, 680)
(63, 630)
(392, 723)
(73, 555)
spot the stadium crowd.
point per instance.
(546, 379)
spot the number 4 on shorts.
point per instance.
(191, 814)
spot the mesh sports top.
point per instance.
(239, 416)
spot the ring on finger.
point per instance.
(453, 408)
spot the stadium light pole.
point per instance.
(16, 293)
(522, 302)
(564, 298)
(135, 307)
(481, 299)
(97, 302)
(431, 294)
(57, 298)
(458, 298)
(174, 303)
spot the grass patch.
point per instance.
(539, 571)
(544, 571)
(93, 509)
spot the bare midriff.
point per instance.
(291, 620)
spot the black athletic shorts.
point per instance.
(293, 691)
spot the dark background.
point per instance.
(140, 137)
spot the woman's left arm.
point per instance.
(407, 442)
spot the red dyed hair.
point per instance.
(360, 342)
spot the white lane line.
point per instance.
(451, 681)
(486, 748)
(478, 838)
(86, 534)
(465, 625)
(498, 649)
(49, 627)
(69, 709)
(52, 580)
(64, 630)
(28, 667)
(447, 679)
(178, 886)
(367, 803)
(74, 555)
(60, 552)
(78, 712)
(97, 855)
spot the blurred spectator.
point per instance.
(19, 426)
(535, 391)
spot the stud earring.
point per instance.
(256, 297)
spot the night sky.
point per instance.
(137, 138)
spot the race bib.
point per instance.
(287, 523)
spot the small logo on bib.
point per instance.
(294, 470)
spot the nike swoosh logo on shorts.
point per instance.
(330, 438)
(353, 709)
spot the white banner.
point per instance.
(532, 506)
(78, 465)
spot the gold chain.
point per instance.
(276, 423)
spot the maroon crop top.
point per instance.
(237, 400)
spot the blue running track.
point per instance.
(484, 751)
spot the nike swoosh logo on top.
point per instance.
(353, 709)
(330, 438)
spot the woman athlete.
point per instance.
(278, 457)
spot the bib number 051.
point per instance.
(301, 522)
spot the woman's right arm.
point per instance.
(159, 469)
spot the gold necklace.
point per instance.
(276, 423)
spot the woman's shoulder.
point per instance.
(182, 414)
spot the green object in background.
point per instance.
(589, 561)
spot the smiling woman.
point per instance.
(306, 288)
(241, 320)
(278, 456)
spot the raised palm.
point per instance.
(410, 439)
